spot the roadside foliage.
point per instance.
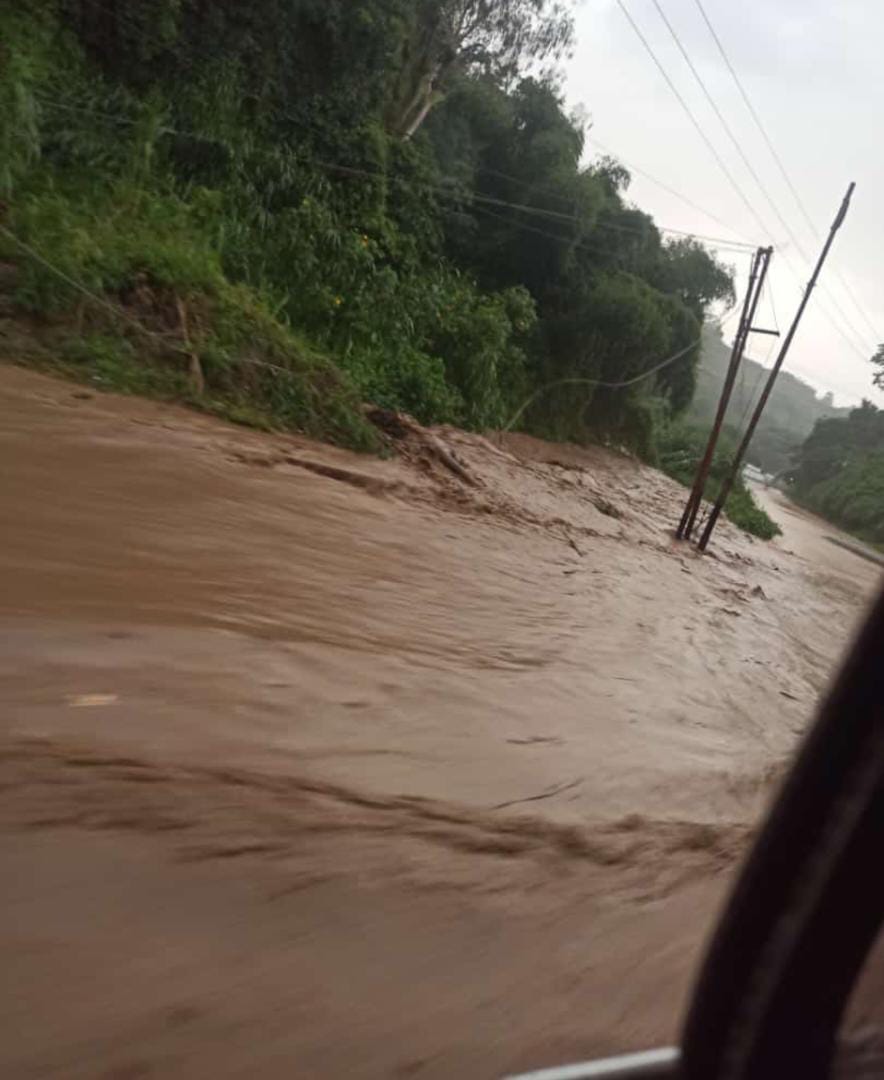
(279, 214)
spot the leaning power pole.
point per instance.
(757, 273)
(731, 476)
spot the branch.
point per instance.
(548, 794)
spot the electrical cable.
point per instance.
(773, 308)
(858, 349)
(577, 243)
(525, 227)
(440, 188)
(732, 245)
(694, 121)
(708, 142)
(665, 187)
(139, 29)
(762, 374)
(748, 245)
(599, 383)
(579, 381)
(119, 312)
(716, 241)
(777, 158)
(727, 128)
(749, 166)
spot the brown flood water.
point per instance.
(319, 765)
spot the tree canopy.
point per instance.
(496, 39)
(839, 471)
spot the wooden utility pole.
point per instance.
(757, 273)
(731, 477)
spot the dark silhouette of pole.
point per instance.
(731, 477)
(696, 492)
(757, 273)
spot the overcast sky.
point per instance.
(813, 70)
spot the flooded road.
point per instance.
(317, 764)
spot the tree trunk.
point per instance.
(431, 98)
(429, 95)
(427, 62)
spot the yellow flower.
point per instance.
(338, 301)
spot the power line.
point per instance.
(665, 187)
(792, 369)
(748, 245)
(845, 284)
(119, 312)
(140, 30)
(627, 382)
(542, 232)
(859, 346)
(727, 128)
(826, 313)
(749, 166)
(773, 308)
(858, 349)
(526, 184)
(763, 370)
(554, 236)
(724, 244)
(442, 189)
(79, 286)
(756, 117)
(602, 385)
(728, 174)
(553, 215)
(696, 123)
(720, 241)
(777, 159)
(562, 239)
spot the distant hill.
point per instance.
(792, 411)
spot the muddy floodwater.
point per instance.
(321, 765)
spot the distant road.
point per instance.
(812, 537)
(858, 549)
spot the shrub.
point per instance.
(158, 298)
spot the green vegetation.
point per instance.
(682, 447)
(280, 213)
(787, 420)
(839, 471)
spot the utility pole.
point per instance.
(757, 273)
(729, 480)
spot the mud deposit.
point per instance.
(318, 765)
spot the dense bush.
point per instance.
(167, 308)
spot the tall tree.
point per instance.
(497, 37)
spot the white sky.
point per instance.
(813, 71)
